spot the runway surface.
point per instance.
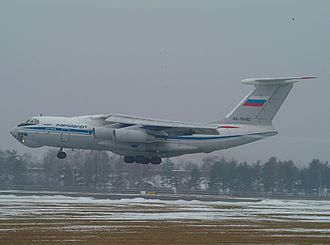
(58, 219)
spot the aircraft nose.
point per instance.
(14, 132)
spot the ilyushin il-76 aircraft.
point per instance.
(145, 140)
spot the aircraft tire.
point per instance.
(142, 160)
(156, 160)
(61, 155)
(128, 159)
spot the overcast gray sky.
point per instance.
(179, 60)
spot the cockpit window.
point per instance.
(32, 121)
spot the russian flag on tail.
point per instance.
(255, 102)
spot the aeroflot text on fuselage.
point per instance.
(71, 125)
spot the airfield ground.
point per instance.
(58, 219)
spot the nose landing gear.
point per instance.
(61, 154)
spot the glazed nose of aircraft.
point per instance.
(14, 132)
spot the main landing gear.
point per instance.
(61, 154)
(143, 160)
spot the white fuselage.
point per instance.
(147, 140)
(79, 133)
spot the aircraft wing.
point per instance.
(170, 127)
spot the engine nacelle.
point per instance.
(132, 135)
(122, 135)
(103, 133)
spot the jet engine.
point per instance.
(103, 133)
(132, 135)
(122, 135)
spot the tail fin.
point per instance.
(262, 103)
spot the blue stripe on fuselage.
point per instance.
(185, 137)
(59, 129)
(201, 137)
(90, 132)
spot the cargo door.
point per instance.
(65, 135)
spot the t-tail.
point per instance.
(262, 103)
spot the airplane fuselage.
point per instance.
(146, 140)
(79, 133)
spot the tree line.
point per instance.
(101, 170)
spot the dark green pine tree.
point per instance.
(195, 179)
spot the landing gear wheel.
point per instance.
(142, 160)
(128, 159)
(61, 154)
(156, 160)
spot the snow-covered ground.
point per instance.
(139, 209)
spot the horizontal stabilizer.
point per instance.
(272, 81)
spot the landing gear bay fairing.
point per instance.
(145, 140)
